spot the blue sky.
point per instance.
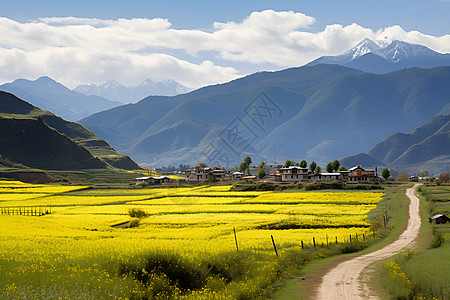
(427, 16)
(198, 42)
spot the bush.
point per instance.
(258, 186)
(335, 185)
(137, 213)
(134, 223)
(439, 239)
(169, 276)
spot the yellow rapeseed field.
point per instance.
(78, 242)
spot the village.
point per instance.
(275, 174)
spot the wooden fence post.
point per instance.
(274, 247)
(314, 242)
(235, 239)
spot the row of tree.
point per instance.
(244, 167)
(331, 167)
(314, 167)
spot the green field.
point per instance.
(425, 274)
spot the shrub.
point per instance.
(137, 213)
(134, 223)
(439, 239)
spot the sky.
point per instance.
(198, 43)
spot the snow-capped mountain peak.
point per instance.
(382, 56)
(111, 84)
(364, 47)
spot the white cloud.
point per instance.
(84, 50)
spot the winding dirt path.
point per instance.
(342, 282)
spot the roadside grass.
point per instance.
(394, 205)
(424, 273)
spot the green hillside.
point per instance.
(16, 109)
(32, 143)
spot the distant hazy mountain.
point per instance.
(55, 97)
(39, 139)
(364, 159)
(127, 94)
(426, 147)
(316, 113)
(386, 56)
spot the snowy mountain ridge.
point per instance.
(383, 56)
(114, 90)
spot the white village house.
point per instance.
(293, 174)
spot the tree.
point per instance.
(248, 160)
(443, 177)
(211, 178)
(312, 166)
(303, 164)
(329, 167)
(244, 167)
(402, 177)
(342, 168)
(261, 170)
(289, 163)
(318, 169)
(336, 165)
(385, 173)
(424, 173)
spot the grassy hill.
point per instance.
(32, 143)
(27, 131)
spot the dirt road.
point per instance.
(342, 282)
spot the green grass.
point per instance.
(98, 178)
(427, 271)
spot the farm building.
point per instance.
(439, 219)
(202, 171)
(153, 180)
(359, 175)
(354, 175)
(237, 175)
(293, 173)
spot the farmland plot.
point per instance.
(79, 241)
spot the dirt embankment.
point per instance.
(29, 176)
(343, 281)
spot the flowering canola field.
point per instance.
(78, 245)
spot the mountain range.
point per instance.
(384, 56)
(425, 147)
(319, 113)
(127, 94)
(50, 95)
(39, 139)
